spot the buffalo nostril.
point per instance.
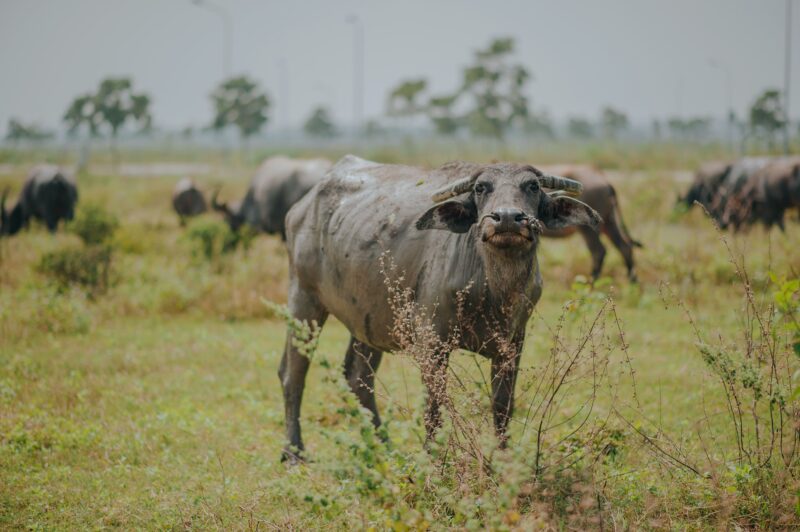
(520, 217)
(495, 216)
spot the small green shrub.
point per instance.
(87, 266)
(94, 224)
(211, 239)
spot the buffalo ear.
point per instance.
(454, 215)
(563, 211)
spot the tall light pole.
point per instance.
(283, 88)
(358, 71)
(729, 91)
(787, 76)
(227, 33)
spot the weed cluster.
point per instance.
(87, 265)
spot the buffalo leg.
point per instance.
(294, 366)
(360, 364)
(504, 378)
(596, 248)
(624, 246)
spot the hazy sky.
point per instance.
(648, 57)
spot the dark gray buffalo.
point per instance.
(728, 197)
(769, 194)
(707, 180)
(600, 195)
(278, 184)
(48, 194)
(188, 200)
(467, 265)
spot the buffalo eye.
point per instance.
(482, 188)
(531, 186)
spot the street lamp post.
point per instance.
(283, 87)
(358, 71)
(729, 92)
(227, 28)
(787, 76)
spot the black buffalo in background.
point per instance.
(49, 194)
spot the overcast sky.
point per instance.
(647, 57)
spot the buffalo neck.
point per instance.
(511, 278)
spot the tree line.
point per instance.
(490, 102)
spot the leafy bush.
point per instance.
(212, 239)
(94, 225)
(87, 266)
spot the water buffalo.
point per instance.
(48, 194)
(278, 184)
(707, 181)
(737, 176)
(188, 200)
(600, 195)
(467, 264)
(769, 194)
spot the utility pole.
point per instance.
(787, 77)
(227, 33)
(283, 89)
(358, 72)
(729, 93)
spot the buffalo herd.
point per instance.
(748, 191)
(452, 251)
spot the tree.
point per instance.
(656, 129)
(689, 129)
(441, 113)
(613, 122)
(239, 102)
(496, 90)
(319, 124)
(373, 128)
(403, 98)
(79, 113)
(767, 116)
(17, 131)
(113, 105)
(491, 96)
(579, 128)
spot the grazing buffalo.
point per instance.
(466, 265)
(769, 194)
(718, 188)
(188, 200)
(278, 184)
(600, 195)
(706, 182)
(48, 194)
(727, 198)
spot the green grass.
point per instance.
(157, 405)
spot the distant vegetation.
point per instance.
(240, 103)
(320, 124)
(108, 110)
(17, 132)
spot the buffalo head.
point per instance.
(10, 223)
(509, 206)
(232, 214)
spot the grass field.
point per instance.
(156, 403)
